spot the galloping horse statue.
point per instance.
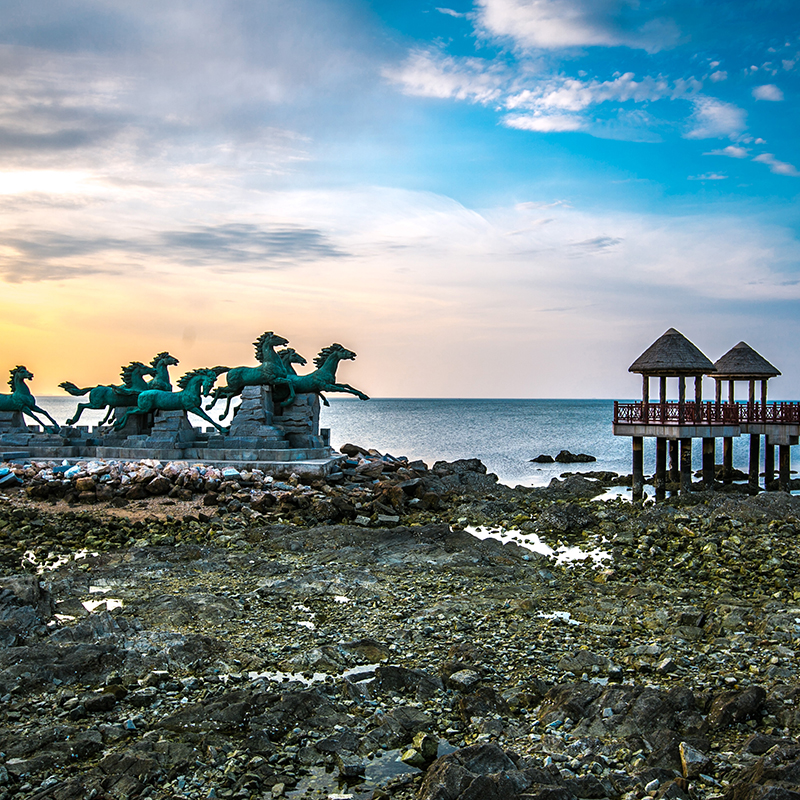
(23, 401)
(290, 356)
(322, 379)
(189, 399)
(271, 371)
(124, 396)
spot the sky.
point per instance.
(498, 198)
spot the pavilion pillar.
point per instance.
(769, 464)
(785, 466)
(661, 469)
(755, 453)
(763, 416)
(727, 446)
(727, 460)
(681, 399)
(709, 458)
(645, 399)
(698, 398)
(674, 461)
(637, 485)
(686, 465)
(662, 398)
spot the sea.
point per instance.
(504, 434)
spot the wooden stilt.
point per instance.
(661, 469)
(637, 486)
(755, 453)
(709, 457)
(674, 462)
(769, 464)
(686, 465)
(727, 460)
(785, 466)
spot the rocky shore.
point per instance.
(174, 631)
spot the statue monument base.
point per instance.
(278, 441)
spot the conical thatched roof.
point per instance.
(744, 363)
(672, 354)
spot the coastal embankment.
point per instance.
(174, 631)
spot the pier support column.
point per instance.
(727, 460)
(755, 453)
(661, 469)
(709, 457)
(686, 465)
(769, 464)
(637, 485)
(785, 466)
(674, 462)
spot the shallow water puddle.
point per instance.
(55, 560)
(532, 542)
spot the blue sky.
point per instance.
(491, 198)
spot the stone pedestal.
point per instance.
(300, 421)
(253, 417)
(137, 425)
(170, 429)
(12, 422)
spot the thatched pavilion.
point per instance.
(742, 363)
(671, 356)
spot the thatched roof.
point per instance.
(744, 363)
(672, 355)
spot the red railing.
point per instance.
(691, 413)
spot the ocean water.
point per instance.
(504, 434)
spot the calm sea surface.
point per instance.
(504, 434)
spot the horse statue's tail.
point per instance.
(73, 389)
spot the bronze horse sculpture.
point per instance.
(124, 396)
(192, 384)
(322, 379)
(23, 401)
(271, 372)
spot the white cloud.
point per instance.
(713, 118)
(451, 13)
(732, 151)
(552, 24)
(543, 123)
(768, 91)
(428, 73)
(569, 94)
(708, 176)
(719, 75)
(778, 167)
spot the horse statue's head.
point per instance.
(290, 356)
(207, 376)
(21, 373)
(164, 359)
(267, 340)
(342, 353)
(133, 369)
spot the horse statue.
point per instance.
(290, 356)
(192, 384)
(124, 395)
(23, 401)
(322, 379)
(271, 371)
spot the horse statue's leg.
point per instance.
(202, 414)
(346, 387)
(323, 398)
(290, 399)
(108, 414)
(28, 411)
(123, 420)
(55, 425)
(78, 411)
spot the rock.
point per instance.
(733, 707)
(693, 762)
(542, 459)
(565, 457)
